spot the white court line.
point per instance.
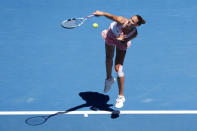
(100, 112)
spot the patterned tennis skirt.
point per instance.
(110, 39)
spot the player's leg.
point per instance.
(120, 56)
(120, 79)
(109, 50)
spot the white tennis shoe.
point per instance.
(119, 102)
(108, 83)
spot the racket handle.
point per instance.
(89, 16)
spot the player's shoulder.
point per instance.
(136, 32)
(121, 19)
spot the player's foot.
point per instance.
(108, 83)
(119, 102)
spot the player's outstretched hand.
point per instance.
(98, 13)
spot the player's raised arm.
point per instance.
(118, 19)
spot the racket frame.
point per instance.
(82, 21)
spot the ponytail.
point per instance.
(141, 20)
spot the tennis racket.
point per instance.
(74, 22)
(39, 120)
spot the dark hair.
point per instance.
(141, 20)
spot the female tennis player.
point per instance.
(119, 34)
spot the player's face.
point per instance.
(133, 21)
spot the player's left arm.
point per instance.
(127, 38)
(134, 35)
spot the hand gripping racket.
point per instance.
(74, 22)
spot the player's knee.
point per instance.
(117, 67)
(119, 70)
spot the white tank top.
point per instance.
(115, 28)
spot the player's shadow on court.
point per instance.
(97, 101)
(94, 100)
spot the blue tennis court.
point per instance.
(44, 67)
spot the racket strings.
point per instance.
(33, 121)
(72, 23)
